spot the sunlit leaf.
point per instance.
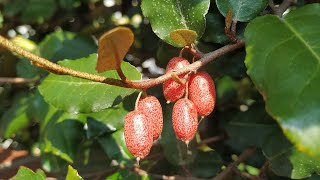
(183, 37)
(113, 46)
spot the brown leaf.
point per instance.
(183, 37)
(113, 46)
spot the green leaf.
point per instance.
(61, 45)
(62, 133)
(242, 10)
(27, 174)
(111, 119)
(215, 29)
(206, 164)
(115, 147)
(167, 16)
(286, 160)
(79, 95)
(16, 117)
(175, 150)
(283, 60)
(73, 174)
(251, 127)
(38, 11)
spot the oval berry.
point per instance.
(184, 119)
(138, 134)
(172, 90)
(202, 92)
(152, 109)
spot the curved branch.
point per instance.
(141, 84)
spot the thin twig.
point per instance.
(141, 84)
(16, 80)
(212, 139)
(263, 169)
(243, 157)
(244, 174)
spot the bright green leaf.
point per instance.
(242, 10)
(286, 160)
(27, 174)
(73, 174)
(79, 95)
(167, 16)
(283, 60)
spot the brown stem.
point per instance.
(141, 84)
(280, 9)
(228, 171)
(121, 75)
(213, 139)
(16, 80)
(176, 78)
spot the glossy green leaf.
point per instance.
(38, 11)
(167, 16)
(286, 160)
(73, 174)
(27, 174)
(13, 7)
(115, 147)
(16, 117)
(79, 95)
(175, 150)
(206, 164)
(283, 60)
(61, 45)
(242, 10)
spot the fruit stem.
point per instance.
(187, 90)
(138, 161)
(137, 101)
(176, 78)
(145, 94)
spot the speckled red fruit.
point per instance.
(151, 108)
(172, 90)
(138, 134)
(202, 92)
(184, 119)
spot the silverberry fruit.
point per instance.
(152, 109)
(172, 90)
(184, 119)
(202, 92)
(138, 134)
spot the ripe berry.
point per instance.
(184, 119)
(138, 134)
(202, 92)
(151, 108)
(172, 90)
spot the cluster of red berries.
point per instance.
(144, 125)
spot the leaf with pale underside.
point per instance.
(113, 46)
(183, 37)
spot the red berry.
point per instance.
(172, 90)
(151, 108)
(202, 92)
(185, 119)
(138, 134)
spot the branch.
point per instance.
(229, 170)
(280, 9)
(16, 80)
(141, 84)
